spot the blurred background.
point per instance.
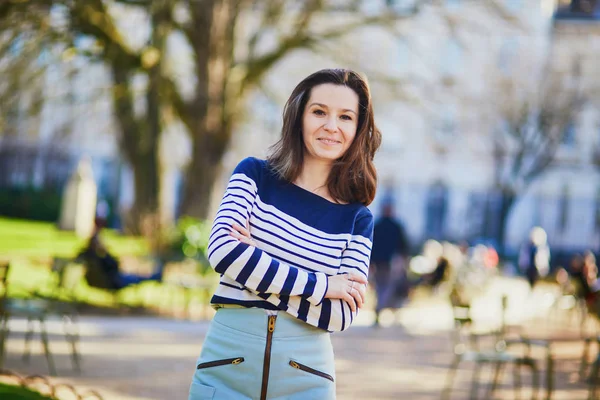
(121, 121)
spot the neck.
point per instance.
(314, 175)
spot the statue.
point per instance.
(79, 201)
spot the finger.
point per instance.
(243, 230)
(358, 278)
(241, 238)
(360, 289)
(350, 300)
(238, 228)
(357, 297)
(236, 235)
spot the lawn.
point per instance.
(22, 238)
(31, 245)
(10, 392)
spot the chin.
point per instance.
(329, 157)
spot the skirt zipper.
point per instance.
(310, 370)
(267, 359)
(217, 363)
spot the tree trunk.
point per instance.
(146, 186)
(508, 201)
(212, 114)
(199, 181)
(139, 145)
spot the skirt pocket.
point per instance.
(217, 363)
(310, 370)
(199, 391)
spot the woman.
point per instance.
(292, 241)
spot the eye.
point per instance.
(319, 112)
(346, 118)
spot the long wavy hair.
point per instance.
(353, 178)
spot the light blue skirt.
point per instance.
(231, 362)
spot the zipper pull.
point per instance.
(272, 323)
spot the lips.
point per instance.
(329, 141)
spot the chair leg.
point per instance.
(593, 378)
(584, 357)
(517, 380)
(450, 378)
(475, 381)
(44, 335)
(72, 336)
(3, 336)
(495, 379)
(535, 377)
(28, 335)
(549, 377)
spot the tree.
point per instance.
(222, 74)
(532, 128)
(22, 45)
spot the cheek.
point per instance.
(350, 136)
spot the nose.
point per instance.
(330, 125)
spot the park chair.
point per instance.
(467, 347)
(35, 309)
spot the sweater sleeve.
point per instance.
(355, 259)
(246, 264)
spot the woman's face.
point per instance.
(329, 121)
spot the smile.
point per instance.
(329, 141)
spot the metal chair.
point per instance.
(36, 308)
(466, 347)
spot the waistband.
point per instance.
(254, 321)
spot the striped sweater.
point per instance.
(301, 238)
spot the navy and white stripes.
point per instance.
(301, 238)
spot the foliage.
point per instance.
(31, 203)
(188, 239)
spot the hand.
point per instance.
(349, 287)
(242, 234)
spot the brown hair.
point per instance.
(353, 178)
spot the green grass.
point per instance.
(31, 245)
(10, 392)
(22, 238)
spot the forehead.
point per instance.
(334, 97)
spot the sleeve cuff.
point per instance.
(321, 287)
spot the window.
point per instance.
(584, 6)
(597, 212)
(514, 5)
(447, 124)
(569, 135)
(437, 206)
(507, 56)
(453, 4)
(402, 57)
(476, 214)
(400, 6)
(563, 209)
(451, 58)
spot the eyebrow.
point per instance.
(324, 106)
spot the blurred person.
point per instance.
(95, 254)
(440, 273)
(388, 258)
(534, 256)
(292, 240)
